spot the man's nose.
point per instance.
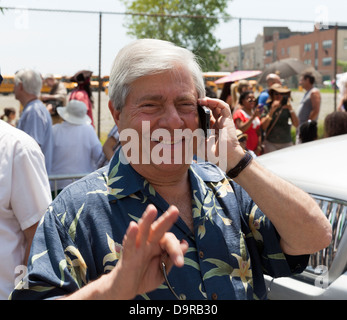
(171, 118)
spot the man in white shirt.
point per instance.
(24, 198)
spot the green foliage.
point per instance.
(343, 64)
(173, 20)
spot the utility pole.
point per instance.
(335, 67)
(240, 44)
(100, 83)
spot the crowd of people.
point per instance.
(53, 136)
(63, 129)
(100, 238)
(267, 120)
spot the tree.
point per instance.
(342, 64)
(188, 24)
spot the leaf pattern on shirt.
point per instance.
(115, 255)
(111, 179)
(73, 226)
(76, 265)
(209, 263)
(255, 224)
(222, 268)
(244, 271)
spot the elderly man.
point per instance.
(235, 229)
(35, 119)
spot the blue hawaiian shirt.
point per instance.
(80, 236)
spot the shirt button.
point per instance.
(214, 296)
(201, 254)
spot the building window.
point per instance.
(345, 43)
(307, 61)
(307, 47)
(327, 44)
(327, 61)
(268, 53)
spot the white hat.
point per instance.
(75, 112)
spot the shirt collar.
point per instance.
(123, 180)
(31, 102)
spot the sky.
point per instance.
(63, 43)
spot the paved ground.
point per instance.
(106, 120)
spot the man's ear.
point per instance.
(115, 113)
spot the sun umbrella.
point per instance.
(288, 67)
(238, 75)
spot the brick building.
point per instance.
(316, 49)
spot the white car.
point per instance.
(319, 168)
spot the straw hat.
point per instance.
(75, 112)
(278, 88)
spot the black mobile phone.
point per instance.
(204, 118)
(284, 101)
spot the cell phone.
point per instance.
(204, 118)
(260, 107)
(284, 101)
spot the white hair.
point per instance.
(31, 80)
(147, 57)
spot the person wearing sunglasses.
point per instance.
(246, 118)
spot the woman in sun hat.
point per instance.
(76, 146)
(277, 119)
(83, 91)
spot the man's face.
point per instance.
(303, 82)
(49, 82)
(165, 102)
(17, 90)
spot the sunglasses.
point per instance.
(251, 100)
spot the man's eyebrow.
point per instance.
(160, 97)
(157, 97)
(186, 97)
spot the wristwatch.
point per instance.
(244, 162)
